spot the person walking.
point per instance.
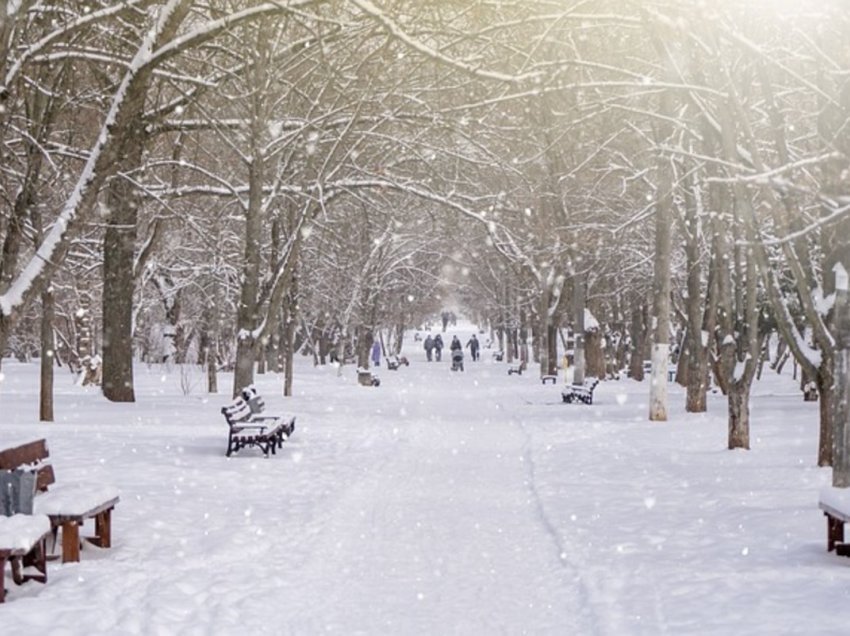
(438, 347)
(473, 346)
(376, 353)
(428, 345)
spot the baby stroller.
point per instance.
(457, 360)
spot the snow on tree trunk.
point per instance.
(841, 391)
(658, 382)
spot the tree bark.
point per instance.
(661, 274)
(119, 245)
(48, 349)
(579, 306)
(840, 402)
(739, 415)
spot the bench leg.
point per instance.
(834, 532)
(37, 558)
(3, 560)
(70, 542)
(102, 530)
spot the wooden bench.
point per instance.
(394, 362)
(67, 506)
(23, 543)
(250, 426)
(580, 393)
(835, 503)
(548, 378)
(366, 378)
(516, 368)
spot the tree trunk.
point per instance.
(696, 336)
(545, 334)
(826, 388)
(119, 246)
(637, 330)
(243, 371)
(661, 274)
(579, 306)
(288, 342)
(119, 241)
(365, 338)
(552, 338)
(48, 349)
(739, 415)
(840, 402)
(594, 354)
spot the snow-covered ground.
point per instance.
(437, 503)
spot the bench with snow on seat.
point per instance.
(580, 393)
(835, 503)
(516, 369)
(68, 506)
(251, 426)
(548, 378)
(367, 378)
(23, 543)
(394, 362)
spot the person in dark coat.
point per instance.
(473, 347)
(438, 347)
(429, 346)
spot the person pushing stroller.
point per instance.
(457, 354)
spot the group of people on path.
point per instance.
(434, 347)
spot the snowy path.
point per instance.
(437, 503)
(441, 523)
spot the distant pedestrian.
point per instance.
(473, 346)
(376, 353)
(428, 345)
(438, 347)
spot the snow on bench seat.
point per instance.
(23, 540)
(75, 500)
(19, 533)
(835, 503)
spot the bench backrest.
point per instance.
(237, 411)
(255, 401)
(30, 455)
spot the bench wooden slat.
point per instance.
(29, 453)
